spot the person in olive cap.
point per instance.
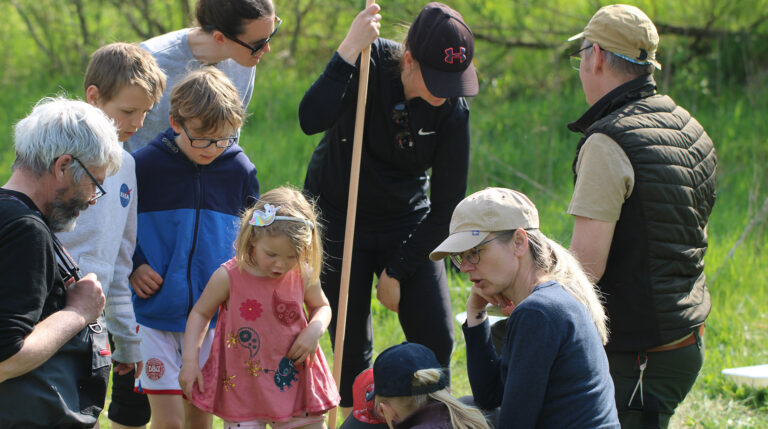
(644, 189)
(552, 371)
(410, 392)
(416, 119)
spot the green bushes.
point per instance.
(519, 135)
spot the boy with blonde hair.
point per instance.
(124, 81)
(195, 181)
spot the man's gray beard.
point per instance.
(65, 227)
(63, 214)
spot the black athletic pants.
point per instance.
(127, 407)
(425, 304)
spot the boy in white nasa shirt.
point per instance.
(124, 81)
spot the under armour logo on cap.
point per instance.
(443, 45)
(450, 55)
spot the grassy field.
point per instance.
(520, 141)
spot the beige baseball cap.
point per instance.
(625, 31)
(486, 211)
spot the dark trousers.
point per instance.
(668, 377)
(127, 407)
(425, 304)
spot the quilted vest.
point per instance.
(654, 281)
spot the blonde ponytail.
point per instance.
(561, 266)
(462, 416)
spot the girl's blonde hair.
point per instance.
(304, 235)
(462, 416)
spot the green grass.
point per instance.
(521, 142)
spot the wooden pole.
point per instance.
(349, 232)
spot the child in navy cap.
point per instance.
(410, 391)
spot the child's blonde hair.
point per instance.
(208, 95)
(306, 236)
(114, 66)
(462, 416)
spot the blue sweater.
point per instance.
(553, 371)
(188, 219)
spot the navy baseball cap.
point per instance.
(444, 46)
(394, 368)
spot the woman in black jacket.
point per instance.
(416, 120)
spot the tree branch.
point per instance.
(131, 20)
(513, 42)
(759, 217)
(31, 28)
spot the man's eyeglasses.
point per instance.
(575, 57)
(472, 255)
(258, 45)
(403, 138)
(201, 143)
(100, 192)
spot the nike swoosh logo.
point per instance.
(425, 133)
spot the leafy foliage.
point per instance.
(715, 57)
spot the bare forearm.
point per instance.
(197, 326)
(42, 343)
(321, 316)
(591, 244)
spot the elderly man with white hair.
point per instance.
(54, 359)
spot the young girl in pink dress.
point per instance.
(265, 365)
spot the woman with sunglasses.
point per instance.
(553, 371)
(232, 35)
(416, 120)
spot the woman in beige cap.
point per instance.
(552, 371)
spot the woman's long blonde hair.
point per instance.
(558, 264)
(462, 416)
(304, 235)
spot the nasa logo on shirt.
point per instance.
(125, 195)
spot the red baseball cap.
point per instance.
(444, 47)
(364, 415)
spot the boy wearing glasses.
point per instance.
(194, 181)
(124, 81)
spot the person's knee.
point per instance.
(167, 411)
(195, 418)
(160, 423)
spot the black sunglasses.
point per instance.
(400, 117)
(100, 192)
(574, 58)
(201, 143)
(261, 43)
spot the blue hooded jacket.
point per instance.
(188, 220)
